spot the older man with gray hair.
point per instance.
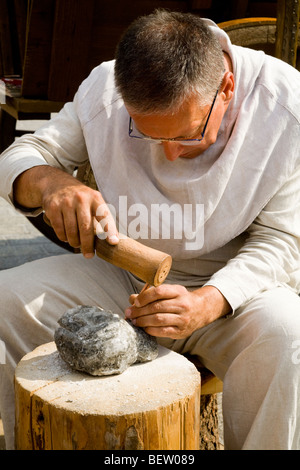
(181, 117)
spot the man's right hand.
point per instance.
(71, 207)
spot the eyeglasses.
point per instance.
(135, 134)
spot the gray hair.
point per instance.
(165, 58)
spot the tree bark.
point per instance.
(209, 428)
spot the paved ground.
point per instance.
(20, 241)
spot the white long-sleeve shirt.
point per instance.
(247, 183)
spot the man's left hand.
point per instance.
(174, 312)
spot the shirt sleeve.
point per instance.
(270, 256)
(59, 143)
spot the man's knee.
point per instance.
(274, 324)
(277, 309)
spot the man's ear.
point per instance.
(227, 87)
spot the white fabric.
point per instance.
(249, 184)
(248, 181)
(256, 352)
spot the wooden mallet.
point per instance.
(148, 264)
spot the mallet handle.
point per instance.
(148, 264)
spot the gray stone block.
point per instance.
(99, 342)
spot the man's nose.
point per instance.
(172, 150)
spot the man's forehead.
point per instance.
(189, 107)
(179, 124)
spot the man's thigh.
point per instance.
(270, 322)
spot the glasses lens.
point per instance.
(133, 132)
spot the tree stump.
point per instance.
(152, 406)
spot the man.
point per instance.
(182, 120)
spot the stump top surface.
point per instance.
(142, 387)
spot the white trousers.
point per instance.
(256, 352)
